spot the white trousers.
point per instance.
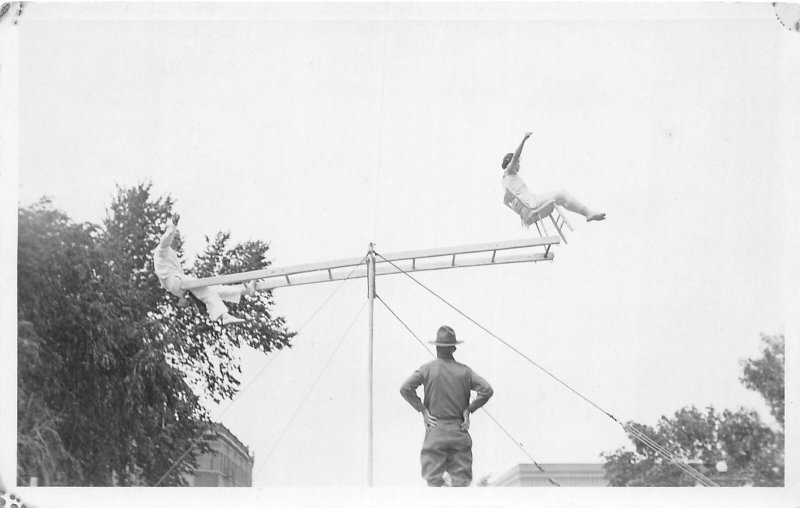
(212, 296)
(561, 198)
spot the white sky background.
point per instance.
(322, 128)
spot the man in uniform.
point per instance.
(445, 411)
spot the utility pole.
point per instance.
(371, 296)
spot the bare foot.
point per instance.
(596, 216)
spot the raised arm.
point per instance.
(513, 166)
(169, 234)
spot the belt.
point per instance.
(449, 418)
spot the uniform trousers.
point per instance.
(447, 448)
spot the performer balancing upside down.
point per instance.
(513, 183)
(445, 412)
(170, 273)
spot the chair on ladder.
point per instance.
(536, 216)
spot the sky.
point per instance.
(323, 127)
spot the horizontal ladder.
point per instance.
(415, 261)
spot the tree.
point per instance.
(40, 450)
(133, 227)
(118, 364)
(59, 269)
(766, 374)
(730, 447)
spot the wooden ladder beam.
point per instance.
(311, 271)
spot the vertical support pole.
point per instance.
(371, 296)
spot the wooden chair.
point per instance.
(536, 216)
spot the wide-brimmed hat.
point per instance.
(446, 337)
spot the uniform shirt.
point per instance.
(447, 385)
(165, 260)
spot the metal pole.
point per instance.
(371, 296)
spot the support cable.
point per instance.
(313, 385)
(264, 368)
(636, 434)
(499, 339)
(300, 329)
(516, 443)
(674, 459)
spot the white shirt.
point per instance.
(165, 260)
(516, 186)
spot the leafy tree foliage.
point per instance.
(194, 339)
(766, 374)
(115, 365)
(40, 449)
(748, 451)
